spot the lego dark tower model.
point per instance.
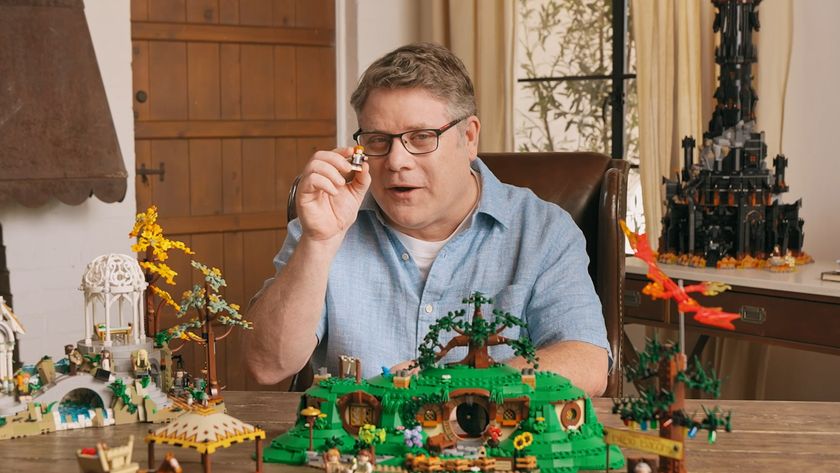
(725, 209)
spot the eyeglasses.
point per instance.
(415, 141)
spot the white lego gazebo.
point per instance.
(116, 283)
(10, 328)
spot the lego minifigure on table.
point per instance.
(781, 264)
(358, 157)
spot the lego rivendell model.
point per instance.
(117, 374)
(725, 211)
(474, 414)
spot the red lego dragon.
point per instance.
(663, 287)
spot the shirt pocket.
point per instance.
(513, 299)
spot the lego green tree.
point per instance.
(662, 369)
(477, 335)
(211, 309)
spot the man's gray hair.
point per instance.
(426, 66)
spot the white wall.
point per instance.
(49, 247)
(366, 30)
(810, 144)
(810, 131)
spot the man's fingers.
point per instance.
(315, 182)
(338, 158)
(361, 180)
(327, 170)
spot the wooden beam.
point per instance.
(151, 31)
(234, 129)
(223, 223)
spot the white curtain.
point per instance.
(668, 50)
(481, 34)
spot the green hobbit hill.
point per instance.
(476, 409)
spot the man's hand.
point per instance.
(288, 310)
(329, 194)
(584, 364)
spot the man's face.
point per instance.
(425, 196)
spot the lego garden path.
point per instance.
(768, 437)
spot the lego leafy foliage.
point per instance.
(653, 406)
(121, 392)
(477, 334)
(209, 305)
(151, 240)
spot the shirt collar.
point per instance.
(492, 202)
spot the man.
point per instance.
(376, 256)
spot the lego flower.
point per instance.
(523, 440)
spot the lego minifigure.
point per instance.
(140, 363)
(181, 381)
(363, 462)
(22, 384)
(74, 358)
(106, 360)
(358, 157)
(494, 435)
(332, 461)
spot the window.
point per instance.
(360, 415)
(511, 412)
(567, 96)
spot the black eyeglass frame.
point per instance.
(391, 136)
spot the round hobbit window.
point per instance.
(570, 415)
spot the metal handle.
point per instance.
(753, 315)
(632, 299)
(141, 96)
(144, 172)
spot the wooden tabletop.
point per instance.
(768, 436)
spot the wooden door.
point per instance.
(231, 98)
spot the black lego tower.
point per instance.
(726, 207)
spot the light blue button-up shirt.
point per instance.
(527, 254)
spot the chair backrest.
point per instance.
(592, 187)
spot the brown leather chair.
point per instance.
(592, 188)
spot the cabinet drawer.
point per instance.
(775, 316)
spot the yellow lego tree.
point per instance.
(156, 247)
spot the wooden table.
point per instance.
(769, 436)
(796, 309)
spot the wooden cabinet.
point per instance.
(795, 310)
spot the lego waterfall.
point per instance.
(725, 211)
(117, 374)
(472, 415)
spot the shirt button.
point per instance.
(405, 256)
(429, 308)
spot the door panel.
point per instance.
(231, 98)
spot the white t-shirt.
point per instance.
(424, 252)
